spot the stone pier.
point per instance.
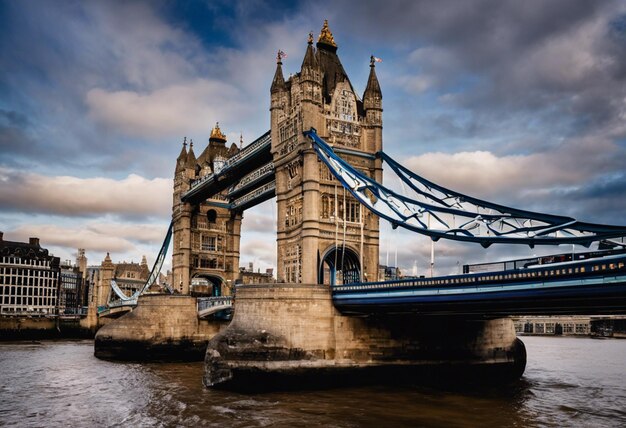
(291, 334)
(161, 327)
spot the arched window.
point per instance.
(211, 216)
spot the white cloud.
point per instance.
(123, 241)
(485, 174)
(171, 111)
(72, 196)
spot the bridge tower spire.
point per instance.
(323, 235)
(205, 259)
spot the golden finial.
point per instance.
(217, 134)
(326, 36)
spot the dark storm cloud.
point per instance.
(602, 199)
(13, 137)
(558, 65)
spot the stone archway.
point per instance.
(204, 285)
(339, 265)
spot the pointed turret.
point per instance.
(191, 157)
(181, 160)
(310, 61)
(107, 263)
(278, 84)
(310, 75)
(232, 150)
(329, 63)
(372, 96)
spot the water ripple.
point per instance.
(568, 382)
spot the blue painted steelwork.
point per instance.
(592, 286)
(441, 213)
(156, 269)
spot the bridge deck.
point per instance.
(590, 287)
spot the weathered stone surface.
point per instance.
(283, 330)
(161, 327)
(27, 328)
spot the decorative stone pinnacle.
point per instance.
(310, 40)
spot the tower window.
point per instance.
(211, 216)
(209, 243)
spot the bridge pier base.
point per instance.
(161, 327)
(290, 335)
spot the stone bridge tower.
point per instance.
(205, 259)
(324, 235)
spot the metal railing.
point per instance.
(269, 187)
(210, 302)
(257, 174)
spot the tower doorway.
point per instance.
(206, 285)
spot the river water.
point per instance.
(568, 382)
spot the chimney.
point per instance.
(1, 236)
(33, 241)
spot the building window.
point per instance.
(209, 243)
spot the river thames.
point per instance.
(568, 382)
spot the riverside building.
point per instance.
(29, 278)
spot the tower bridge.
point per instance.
(322, 162)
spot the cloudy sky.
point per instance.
(519, 102)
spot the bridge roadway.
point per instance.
(206, 306)
(591, 287)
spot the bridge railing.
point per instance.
(120, 303)
(210, 302)
(265, 170)
(254, 194)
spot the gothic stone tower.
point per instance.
(324, 235)
(205, 258)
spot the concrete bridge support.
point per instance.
(292, 334)
(161, 327)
